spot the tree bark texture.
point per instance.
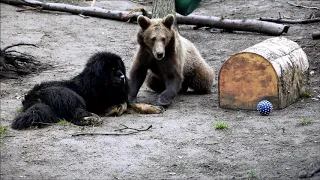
(161, 8)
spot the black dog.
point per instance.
(101, 85)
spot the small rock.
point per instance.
(315, 99)
(311, 73)
(172, 173)
(303, 174)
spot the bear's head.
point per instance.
(156, 34)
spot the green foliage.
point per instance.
(221, 125)
(304, 122)
(306, 94)
(19, 110)
(138, 146)
(3, 131)
(63, 122)
(252, 175)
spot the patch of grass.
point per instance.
(221, 125)
(306, 94)
(138, 146)
(19, 110)
(304, 122)
(3, 131)
(252, 175)
(63, 122)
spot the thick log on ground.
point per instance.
(275, 70)
(250, 25)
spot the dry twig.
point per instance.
(115, 134)
(308, 7)
(290, 21)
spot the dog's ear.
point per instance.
(168, 21)
(96, 66)
(100, 69)
(143, 21)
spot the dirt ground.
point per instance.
(183, 142)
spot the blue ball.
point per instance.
(264, 107)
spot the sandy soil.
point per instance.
(183, 142)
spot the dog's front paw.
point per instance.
(91, 120)
(116, 110)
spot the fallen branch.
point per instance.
(114, 134)
(316, 35)
(290, 21)
(126, 127)
(250, 25)
(14, 63)
(301, 6)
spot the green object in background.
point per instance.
(186, 7)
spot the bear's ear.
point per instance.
(143, 21)
(168, 20)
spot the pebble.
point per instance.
(303, 174)
(311, 73)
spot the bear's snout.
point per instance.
(159, 55)
(159, 50)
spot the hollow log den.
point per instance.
(275, 70)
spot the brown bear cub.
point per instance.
(169, 62)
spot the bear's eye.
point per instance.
(163, 39)
(153, 39)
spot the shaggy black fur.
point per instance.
(102, 83)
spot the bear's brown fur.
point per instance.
(170, 62)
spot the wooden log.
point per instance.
(250, 25)
(275, 70)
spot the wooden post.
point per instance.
(161, 8)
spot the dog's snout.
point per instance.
(120, 75)
(160, 55)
